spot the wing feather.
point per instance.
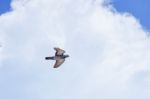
(58, 63)
(59, 51)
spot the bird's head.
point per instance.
(66, 56)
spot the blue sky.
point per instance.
(4, 6)
(138, 8)
(109, 52)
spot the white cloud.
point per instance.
(109, 51)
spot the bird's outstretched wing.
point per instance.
(58, 62)
(59, 51)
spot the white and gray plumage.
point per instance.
(59, 57)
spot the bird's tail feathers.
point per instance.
(49, 58)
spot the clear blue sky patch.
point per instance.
(138, 8)
(4, 6)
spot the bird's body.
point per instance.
(59, 57)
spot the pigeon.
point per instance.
(59, 57)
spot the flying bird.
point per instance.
(59, 57)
